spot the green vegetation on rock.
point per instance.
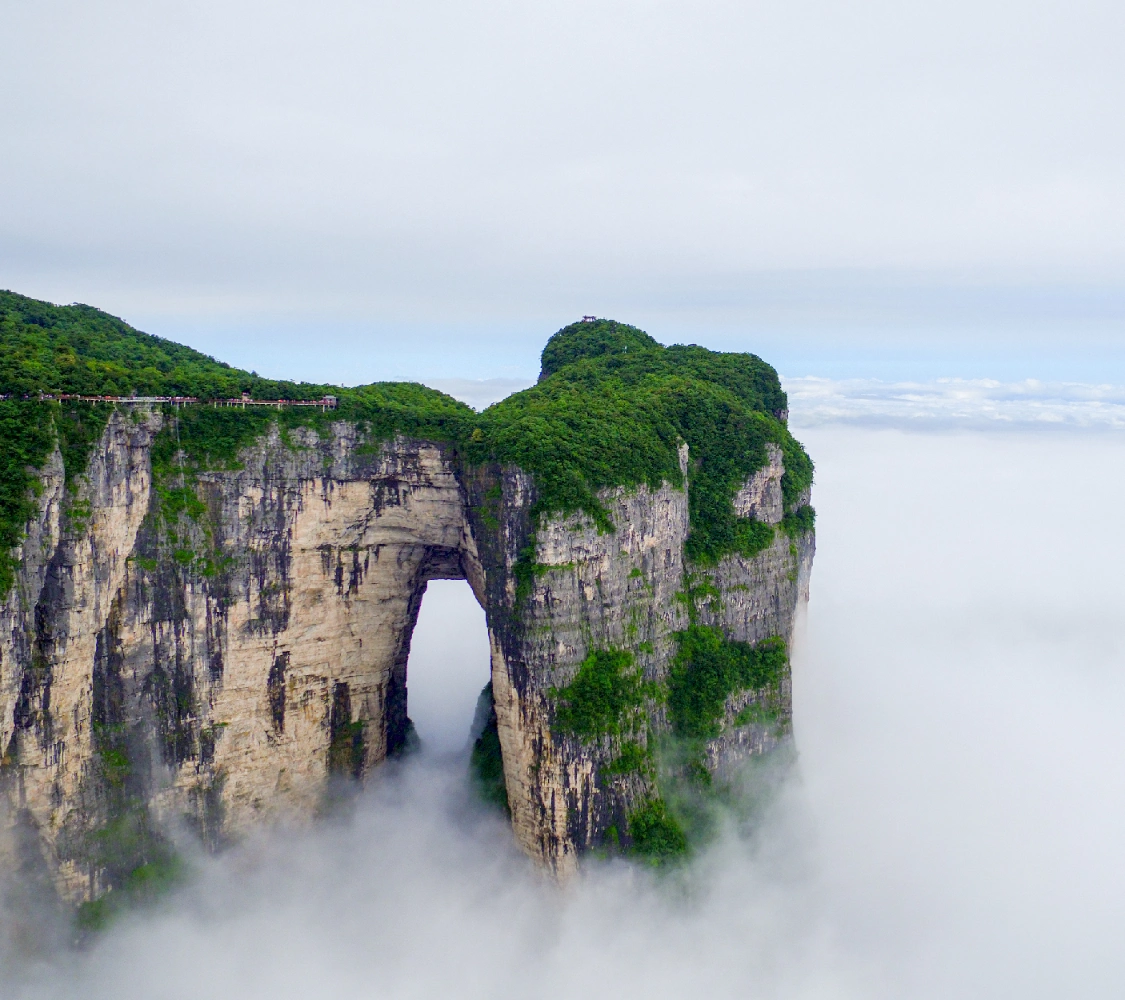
(79, 427)
(708, 669)
(798, 476)
(486, 761)
(81, 350)
(128, 853)
(347, 749)
(29, 431)
(632, 758)
(611, 409)
(755, 713)
(27, 435)
(603, 699)
(142, 886)
(799, 521)
(593, 340)
(655, 833)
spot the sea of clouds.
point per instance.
(956, 402)
(953, 826)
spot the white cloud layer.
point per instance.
(956, 402)
(953, 829)
(448, 665)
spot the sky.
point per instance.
(952, 825)
(352, 191)
(915, 211)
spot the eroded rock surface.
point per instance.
(215, 672)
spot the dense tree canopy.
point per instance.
(611, 408)
(79, 349)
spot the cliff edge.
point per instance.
(207, 609)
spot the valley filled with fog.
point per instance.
(952, 827)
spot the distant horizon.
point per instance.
(1073, 340)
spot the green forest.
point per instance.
(82, 350)
(611, 408)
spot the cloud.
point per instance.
(448, 665)
(955, 402)
(953, 827)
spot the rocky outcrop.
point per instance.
(760, 497)
(628, 589)
(238, 660)
(590, 591)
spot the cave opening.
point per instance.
(448, 667)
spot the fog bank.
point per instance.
(953, 827)
(957, 403)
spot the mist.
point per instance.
(449, 665)
(952, 826)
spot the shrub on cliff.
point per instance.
(29, 430)
(603, 699)
(655, 833)
(708, 669)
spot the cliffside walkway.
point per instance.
(325, 402)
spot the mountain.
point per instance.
(207, 609)
(46, 348)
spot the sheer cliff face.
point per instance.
(627, 590)
(238, 666)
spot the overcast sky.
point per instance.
(356, 190)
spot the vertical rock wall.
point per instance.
(74, 563)
(628, 590)
(217, 672)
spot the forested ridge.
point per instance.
(611, 407)
(82, 350)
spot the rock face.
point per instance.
(214, 671)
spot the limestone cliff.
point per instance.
(197, 647)
(135, 673)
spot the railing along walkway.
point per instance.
(325, 403)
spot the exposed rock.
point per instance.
(760, 498)
(231, 670)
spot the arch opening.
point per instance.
(448, 666)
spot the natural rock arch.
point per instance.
(216, 645)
